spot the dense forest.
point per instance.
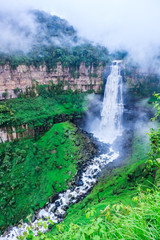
(54, 41)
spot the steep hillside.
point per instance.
(32, 172)
(32, 117)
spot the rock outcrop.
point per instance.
(84, 79)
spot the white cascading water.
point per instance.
(112, 110)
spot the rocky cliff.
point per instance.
(83, 79)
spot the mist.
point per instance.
(17, 30)
(118, 24)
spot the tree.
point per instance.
(5, 94)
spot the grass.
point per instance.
(37, 112)
(120, 221)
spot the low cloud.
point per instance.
(118, 24)
(17, 30)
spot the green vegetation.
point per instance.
(116, 186)
(32, 171)
(118, 221)
(50, 55)
(55, 41)
(40, 113)
(5, 94)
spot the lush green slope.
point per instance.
(119, 221)
(32, 171)
(39, 114)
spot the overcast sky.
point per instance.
(133, 25)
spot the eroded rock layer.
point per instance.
(83, 79)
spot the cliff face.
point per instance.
(85, 78)
(9, 133)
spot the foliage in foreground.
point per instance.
(122, 222)
(116, 222)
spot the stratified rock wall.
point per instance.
(86, 78)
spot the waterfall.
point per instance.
(112, 110)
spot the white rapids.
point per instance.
(112, 110)
(56, 211)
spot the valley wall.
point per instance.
(83, 79)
